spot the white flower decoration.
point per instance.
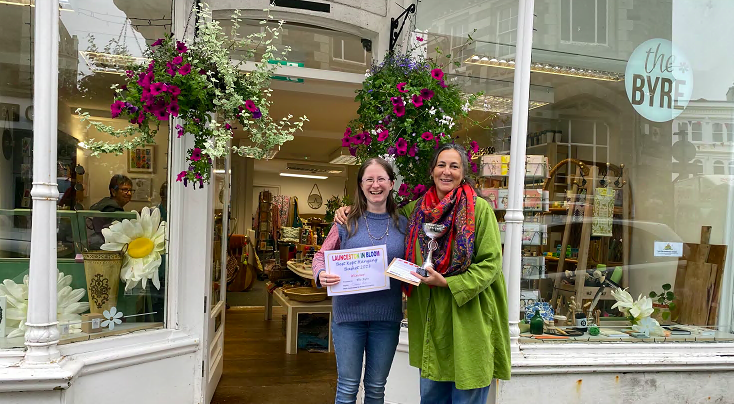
(638, 310)
(649, 327)
(113, 317)
(145, 239)
(68, 306)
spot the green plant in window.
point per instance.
(199, 82)
(666, 300)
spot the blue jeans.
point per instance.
(376, 340)
(433, 392)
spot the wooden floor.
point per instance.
(257, 370)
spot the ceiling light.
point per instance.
(314, 169)
(316, 177)
(341, 156)
(500, 105)
(548, 69)
(109, 63)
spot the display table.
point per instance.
(293, 310)
(300, 269)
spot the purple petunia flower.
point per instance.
(348, 132)
(427, 136)
(399, 110)
(161, 114)
(437, 74)
(185, 69)
(401, 146)
(181, 47)
(359, 138)
(401, 87)
(177, 60)
(173, 89)
(196, 154)
(227, 126)
(404, 190)
(413, 149)
(129, 74)
(202, 71)
(474, 146)
(427, 94)
(256, 114)
(474, 167)
(116, 108)
(417, 101)
(352, 151)
(180, 130)
(367, 138)
(158, 42)
(181, 176)
(173, 109)
(346, 142)
(397, 101)
(442, 84)
(170, 68)
(391, 150)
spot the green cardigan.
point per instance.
(461, 333)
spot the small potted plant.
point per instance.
(664, 304)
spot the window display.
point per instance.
(111, 238)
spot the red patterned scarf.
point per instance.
(456, 247)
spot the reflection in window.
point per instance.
(717, 133)
(718, 167)
(731, 168)
(506, 31)
(729, 132)
(696, 131)
(584, 21)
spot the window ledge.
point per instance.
(97, 356)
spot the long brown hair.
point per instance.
(359, 207)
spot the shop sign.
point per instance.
(668, 249)
(658, 80)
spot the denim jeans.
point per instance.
(433, 392)
(376, 342)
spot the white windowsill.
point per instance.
(95, 356)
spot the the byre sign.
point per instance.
(658, 80)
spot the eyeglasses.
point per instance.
(370, 181)
(127, 190)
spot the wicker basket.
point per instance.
(305, 294)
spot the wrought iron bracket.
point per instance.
(397, 24)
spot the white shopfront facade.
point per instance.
(180, 362)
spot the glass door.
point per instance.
(220, 184)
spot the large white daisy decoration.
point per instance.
(146, 241)
(68, 306)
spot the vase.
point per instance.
(102, 270)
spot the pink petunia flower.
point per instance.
(404, 190)
(141, 118)
(157, 88)
(442, 84)
(413, 149)
(181, 47)
(474, 146)
(346, 142)
(358, 138)
(381, 136)
(401, 87)
(397, 101)
(401, 147)
(180, 177)
(437, 74)
(180, 130)
(367, 138)
(196, 154)
(417, 101)
(173, 89)
(177, 60)
(420, 39)
(352, 151)
(399, 110)
(348, 132)
(170, 68)
(427, 94)
(427, 136)
(116, 108)
(185, 69)
(173, 109)
(158, 42)
(474, 167)
(250, 105)
(419, 190)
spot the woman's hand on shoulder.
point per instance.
(328, 279)
(433, 279)
(341, 215)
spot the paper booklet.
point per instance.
(400, 270)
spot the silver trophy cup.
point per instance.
(433, 231)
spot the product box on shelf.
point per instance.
(498, 165)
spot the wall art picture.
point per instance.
(142, 189)
(141, 159)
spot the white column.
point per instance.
(42, 334)
(514, 217)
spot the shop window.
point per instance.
(87, 306)
(718, 167)
(729, 132)
(717, 133)
(506, 31)
(346, 50)
(584, 21)
(697, 131)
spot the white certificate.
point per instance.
(361, 270)
(400, 269)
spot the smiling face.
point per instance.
(123, 193)
(448, 172)
(376, 186)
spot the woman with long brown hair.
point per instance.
(367, 324)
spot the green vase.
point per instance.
(536, 323)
